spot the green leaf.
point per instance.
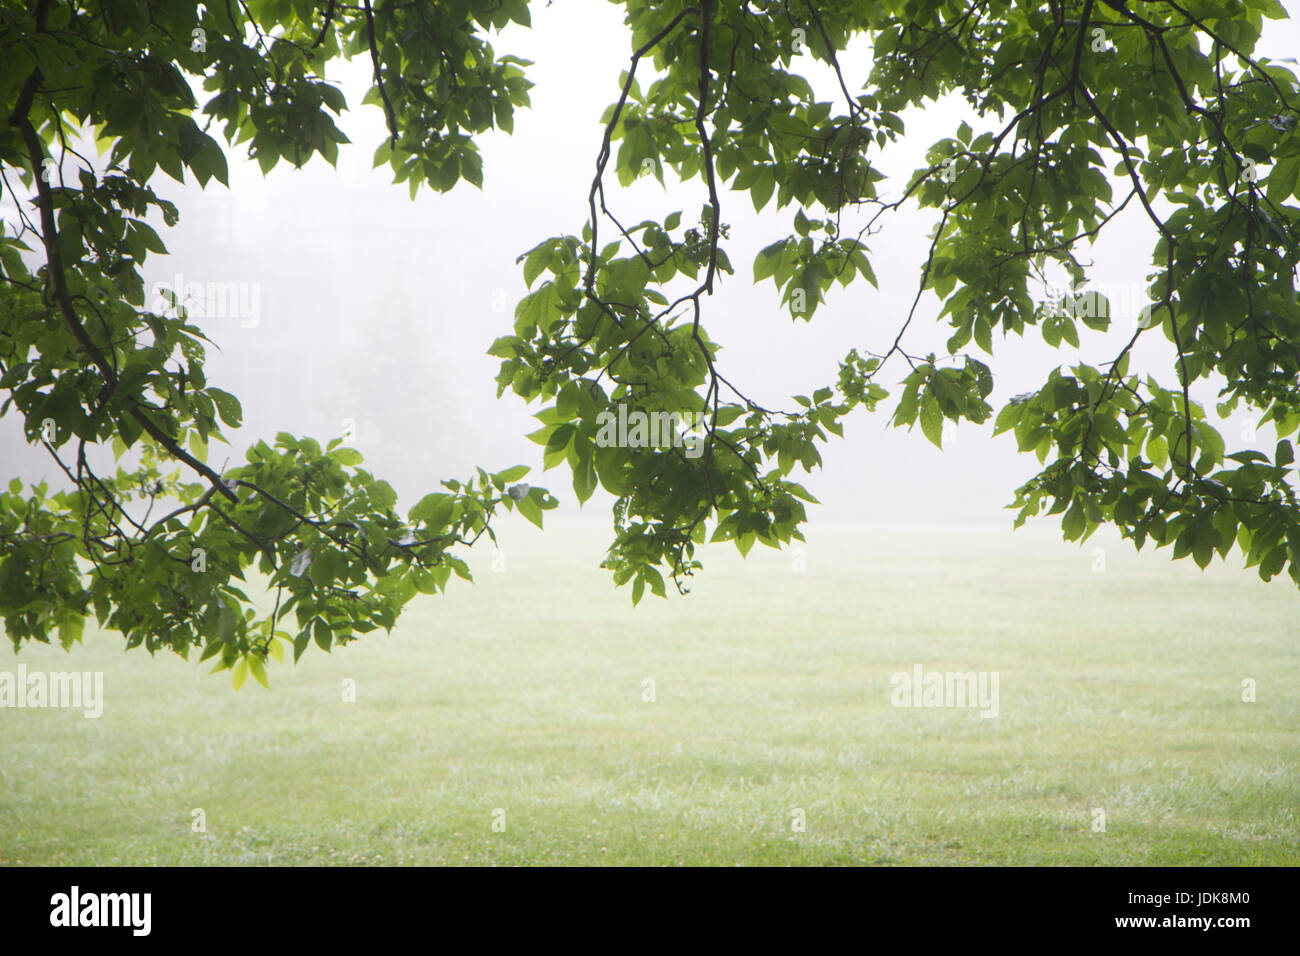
(584, 475)
(530, 509)
(256, 668)
(227, 406)
(1072, 524)
(346, 456)
(767, 260)
(932, 421)
(322, 635)
(383, 495)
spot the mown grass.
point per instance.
(1119, 690)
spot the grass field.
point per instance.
(1119, 691)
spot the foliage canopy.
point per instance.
(1165, 99)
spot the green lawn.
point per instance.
(1118, 690)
